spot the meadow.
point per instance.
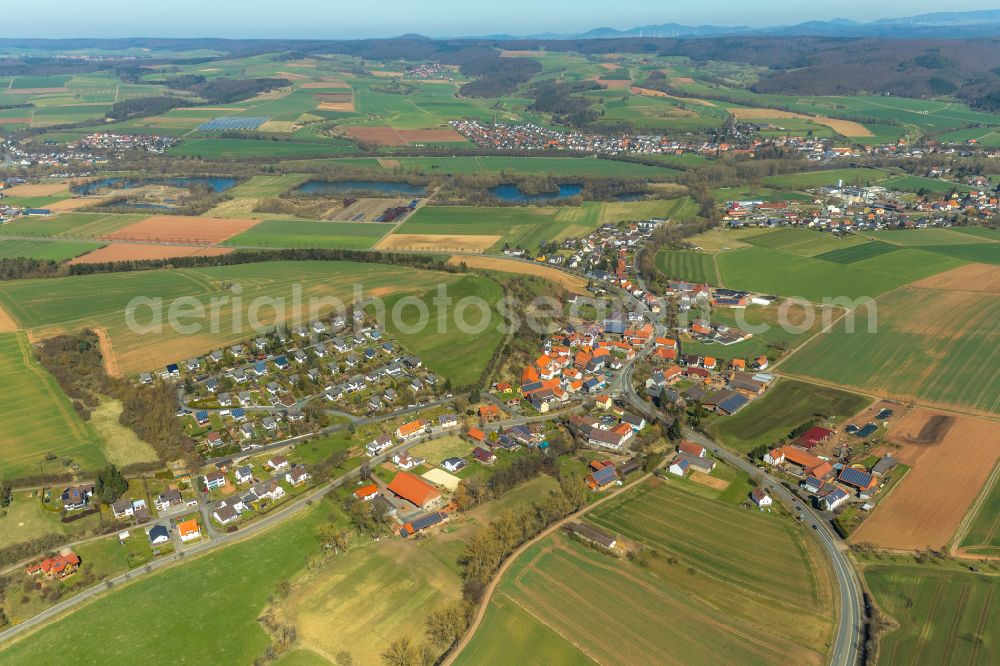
(702, 595)
(786, 405)
(168, 605)
(39, 419)
(310, 233)
(934, 345)
(687, 265)
(50, 306)
(44, 250)
(803, 242)
(776, 272)
(940, 616)
(436, 342)
(238, 149)
(811, 179)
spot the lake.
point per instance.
(342, 187)
(216, 183)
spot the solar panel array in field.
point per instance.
(233, 123)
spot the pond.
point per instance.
(215, 183)
(342, 187)
(508, 192)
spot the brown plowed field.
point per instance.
(37, 190)
(7, 323)
(437, 242)
(571, 283)
(950, 459)
(981, 278)
(336, 101)
(182, 229)
(135, 251)
(67, 205)
(649, 92)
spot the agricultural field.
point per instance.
(435, 342)
(811, 179)
(239, 149)
(517, 226)
(39, 419)
(70, 225)
(707, 580)
(950, 459)
(785, 406)
(933, 344)
(777, 272)
(45, 250)
(803, 242)
(938, 616)
(687, 265)
(51, 306)
(214, 628)
(309, 233)
(983, 534)
(554, 166)
(860, 252)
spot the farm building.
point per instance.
(813, 437)
(604, 475)
(857, 478)
(423, 523)
(414, 490)
(591, 534)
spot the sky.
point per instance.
(340, 19)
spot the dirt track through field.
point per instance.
(108, 356)
(571, 283)
(845, 127)
(950, 460)
(136, 251)
(181, 229)
(649, 92)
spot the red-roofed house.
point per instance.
(367, 493)
(692, 449)
(414, 490)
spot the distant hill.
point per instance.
(938, 25)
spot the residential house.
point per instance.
(411, 429)
(214, 480)
(453, 464)
(158, 534)
(760, 497)
(277, 463)
(679, 466)
(189, 530)
(367, 493)
(168, 498)
(297, 475)
(379, 444)
(123, 508)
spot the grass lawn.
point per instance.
(45, 250)
(38, 419)
(443, 347)
(933, 345)
(788, 404)
(170, 604)
(442, 448)
(308, 233)
(699, 599)
(940, 616)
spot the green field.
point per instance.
(266, 186)
(933, 345)
(786, 274)
(983, 536)
(940, 616)
(709, 594)
(555, 166)
(45, 250)
(70, 225)
(803, 242)
(686, 265)
(309, 233)
(518, 226)
(39, 418)
(770, 337)
(54, 305)
(828, 177)
(237, 149)
(851, 254)
(933, 236)
(786, 405)
(440, 344)
(191, 603)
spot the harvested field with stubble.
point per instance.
(38, 189)
(571, 283)
(183, 229)
(979, 278)
(950, 458)
(141, 252)
(438, 243)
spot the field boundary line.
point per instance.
(969, 518)
(29, 363)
